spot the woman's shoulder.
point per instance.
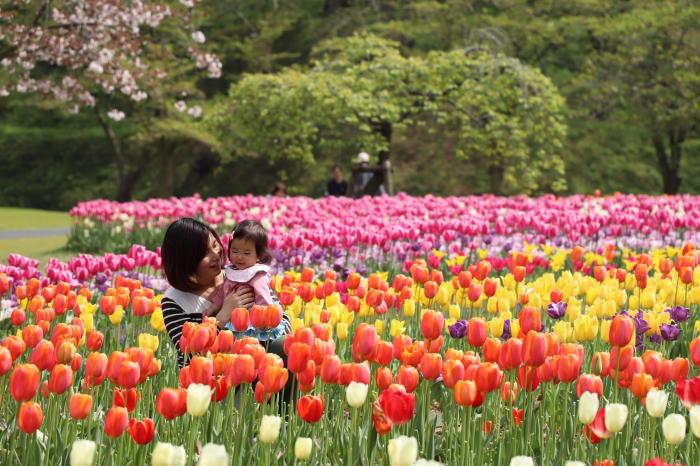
(189, 303)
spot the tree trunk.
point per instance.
(126, 179)
(496, 174)
(669, 164)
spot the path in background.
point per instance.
(39, 234)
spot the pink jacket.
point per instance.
(257, 277)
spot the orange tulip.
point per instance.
(24, 382)
(384, 354)
(29, 417)
(534, 349)
(483, 268)
(589, 383)
(79, 406)
(129, 374)
(431, 366)
(330, 369)
(474, 292)
(511, 354)
(477, 331)
(679, 369)
(116, 421)
(432, 323)
(171, 402)
(95, 368)
(430, 289)
(452, 371)
(621, 330)
(364, 343)
(695, 351)
(519, 273)
(568, 367)
(201, 370)
(640, 275)
(383, 378)
(5, 360)
(492, 349)
(600, 363)
(298, 356)
(686, 275)
(488, 377)
(530, 319)
(641, 384)
(465, 392)
(14, 345)
(620, 357)
(490, 287)
(556, 296)
(509, 392)
(239, 319)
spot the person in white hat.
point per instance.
(362, 157)
(363, 175)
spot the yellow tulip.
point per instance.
(148, 341)
(341, 330)
(157, 321)
(514, 327)
(492, 305)
(409, 308)
(116, 316)
(88, 321)
(443, 296)
(379, 326)
(535, 301)
(496, 327)
(333, 299)
(696, 327)
(563, 330)
(296, 323)
(454, 311)
(396, 327)
(573, 309)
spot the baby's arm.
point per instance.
(261, 288)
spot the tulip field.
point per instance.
(456, 331)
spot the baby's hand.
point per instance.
(211, 311)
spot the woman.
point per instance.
(193, 257)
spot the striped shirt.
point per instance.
(175, 317)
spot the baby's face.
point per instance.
(242, 254)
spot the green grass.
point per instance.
(37, 248)
(15, 218)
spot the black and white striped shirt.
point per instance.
(175, 317)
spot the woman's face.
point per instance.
(210, 266)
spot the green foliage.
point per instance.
(500, 111)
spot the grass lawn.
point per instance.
(15, 218)
(36, 248)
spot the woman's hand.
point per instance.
(241, 297)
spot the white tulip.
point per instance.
(82, 453)
(269, 429)
(694, 415)
(422, 462)
(615, 417)
(574, 463)
(302, 448)
(587, 407)
(356, 394)
(656, 402)
(213, 455)
(198, 399)
(673, 428)
(403, 451)
(166, 454)
(522, 461)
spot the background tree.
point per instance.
(362, 89)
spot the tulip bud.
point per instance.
(356, 394)
(166, 454)
(198, 399)
(403, 451)
(587, 407)
(302, 448)
(674, 428)
(694, 415)
(615, 417)
(521, 461)
(269, 429)
(656, 402)
(213, 455)
(82, 453)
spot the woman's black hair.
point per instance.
(185, 244)
(255, 232)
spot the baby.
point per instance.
(250, 259)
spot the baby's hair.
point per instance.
(255, 232)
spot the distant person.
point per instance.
(279, 189)
(337, 186)
(362, 176)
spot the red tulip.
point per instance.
(528, 378)
(510, 354)
(298, 356)
(116, 421)
(679, 369)
(534, 349)
(61, 378)
(24, 382)
(492, 349)
(474, 292)
(29, 417)
(381, 424)
(201, 370)
(94, 340)
(79, 406)
(490, 287)
(452, 372)
(310, 408)
(364, 343)
(530, 320)
(517, 416)
(126, 398)
(171, 402)
(95, 368)
(129, 374)
(589, 383)
(330, 369)
(488, 377)
(519, 273)
(241, 370)
(239, 319)
(384, 354)
(688, 391)
(142, 431)
(14, 345)
(397, 404)
(5, 360)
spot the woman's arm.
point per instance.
(175, 318)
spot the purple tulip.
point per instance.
(640, 324)
(670, 332)
(506, 330)
(679, 313)
(458, 329)
(655, 338)
(556, 310)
